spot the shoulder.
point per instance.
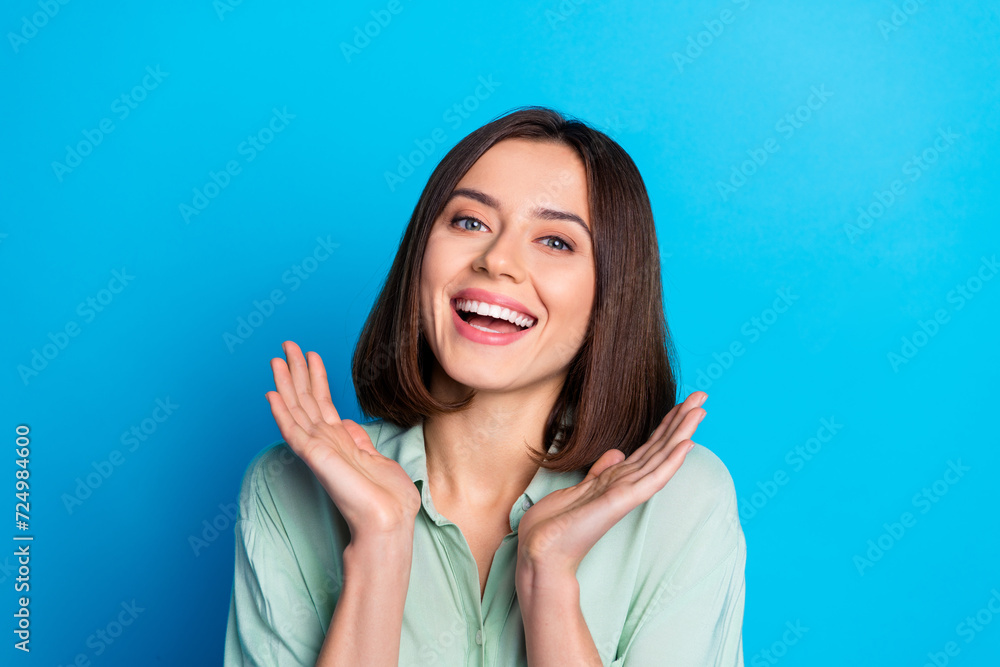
(270, 481)
(701, 488)
(704, 480)
(694, 520)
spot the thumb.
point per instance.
(606, 460)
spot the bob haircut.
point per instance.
(621, 382)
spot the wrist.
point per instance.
(377, 552)
(546, 585)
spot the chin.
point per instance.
(477, 381)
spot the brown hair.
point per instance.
(621, 382)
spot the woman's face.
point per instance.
(514, 237)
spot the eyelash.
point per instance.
(455, 221)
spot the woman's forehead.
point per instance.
(545, 171)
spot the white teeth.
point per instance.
(482, 308)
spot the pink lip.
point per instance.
(476, 294)
(485, 337)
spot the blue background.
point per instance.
(693, 94)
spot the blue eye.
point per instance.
(566, 247)
(563, 245)
(458, 221)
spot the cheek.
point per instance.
(570, 299)
(437, 271)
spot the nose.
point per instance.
(502, 256)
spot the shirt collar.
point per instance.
(406, 446)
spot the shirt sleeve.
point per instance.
(271, 619)
(695, 618)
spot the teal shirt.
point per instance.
(664, 586)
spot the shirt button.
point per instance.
(525, 504)
(479, 637)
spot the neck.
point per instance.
(478, 458)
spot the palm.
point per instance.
(561, 528)
(372, 492)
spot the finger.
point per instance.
(321, 389)
(669, 423)
(283, 382)
(300, 380)
(656, 435)
(685, 428)
(297, 365)
(682, 437)
(293, 434)
(359, 435)
(664, 423)
(701, 398)
(285, 388)
(667, 465)
(605, 461)
(692, 402)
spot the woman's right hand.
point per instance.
(372, 492)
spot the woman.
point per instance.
(520, 371)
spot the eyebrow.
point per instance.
(539, 212)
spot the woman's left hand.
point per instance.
(557, 532)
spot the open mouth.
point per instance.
(491, 318)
